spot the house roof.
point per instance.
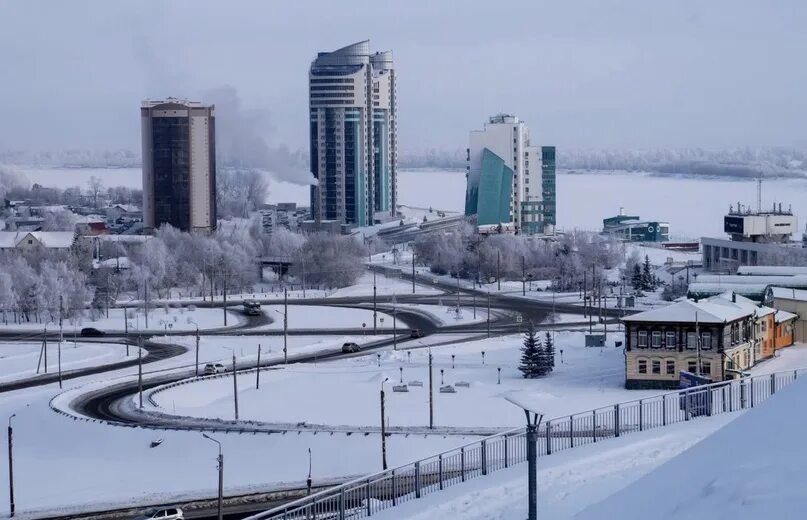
(50, 239)
(717, 309)
(789, 294)
(782, 316)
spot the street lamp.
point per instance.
(220, 461)
(11, 507)
(383, 429)
(285, 328)
(192, 322)
(533, 422)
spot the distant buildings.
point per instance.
(353, 135)
(26, 240)
(511, 184)
(179, 165)
(631, 228)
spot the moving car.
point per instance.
(167, 513)
(91, 332)
(416, 333)
(214, 368)
(350, 348)
(252, 308)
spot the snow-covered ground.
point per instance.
(384, 286)
(568, 481)
(20, 360)
(164, 317)
(450, 314)
(322, 317)
(317, 393)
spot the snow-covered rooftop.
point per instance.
(50, 239)
(771, 270)
(717, 309)
(789, 294)
(782, 316)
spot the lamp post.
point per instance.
(533, 422)
(11, 506)
(220, 461)
(197, 345)
(383, 429)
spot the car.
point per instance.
(214, 368)
(350, 348)
(91, 332)
(165, 513)
(415, 333)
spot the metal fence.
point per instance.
(366, 496)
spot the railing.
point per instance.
(366, 496)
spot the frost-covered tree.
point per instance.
(531, 355)
(549, 351)
(329, 260)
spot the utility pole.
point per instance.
(258, 370)
(140, 369)
(394, 326)
(11, 505)
(488, 313)
(303, 263)
(523, 278)
(285, 325)
(413, 270)
(197, 351)
(126, 325)
(220, 460)
(45, 335)
(308, 480)
(224, 301)
(61, 337)
(146, 302)
(375, 310)
(458, 292)
(474, 304)
(383, 430)
(235, 388)
(498, 270)
(431, 393)
(585, 293)
(698, 343)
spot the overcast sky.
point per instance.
(583, 74)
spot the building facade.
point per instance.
(179, 165)
(728, 333)
(353, 135)
(530, 198)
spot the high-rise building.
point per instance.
(500, 153)
(179, 165)
(353, 142)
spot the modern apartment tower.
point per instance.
(179, 165)
(353, 141)
(506, 188)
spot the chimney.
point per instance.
(733, 297)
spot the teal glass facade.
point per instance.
(548, 185)
(490, 199)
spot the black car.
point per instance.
(89, 332)
(416, 333)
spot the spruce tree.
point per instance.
(549, 348)
(530, 354)
(647, 275)
(636, 279)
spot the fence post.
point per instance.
(641, 415)
(751, 390)
(484, 457)
(394, 490)
(616, 420)
(664, 410)
(462, 463)
(686, 404)
(369, 501)
(571, 432)
(506, 453)
(342, 504)
(731, 399)
(594, 425)
(440, 469)
(795, 374)
(417, 479)
(548, 438)
(773, 384)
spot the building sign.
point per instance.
(733, 225)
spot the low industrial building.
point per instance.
(731, 334)
(631, 228)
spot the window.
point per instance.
(656, 366)
(692, 340)
(642, 365)
(706, 340)
(671, 366)
(642, 339)
(706, 367)
(692, 366)
(656, 339)
(671, 339)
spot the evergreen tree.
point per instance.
(549, 348)
(530, 354)
(636, 279)
(647, 275)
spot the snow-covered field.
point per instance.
(319, 393)
(687, 203)
(20, 360)
(322, 317)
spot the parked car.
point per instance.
(91, 332)
(350, 348)
(214, 368)
(416, 333)
(167, 513)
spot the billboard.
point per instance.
(734, 225)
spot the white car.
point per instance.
(214, 368)
(167, 513)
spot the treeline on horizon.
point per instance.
(770, 162)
